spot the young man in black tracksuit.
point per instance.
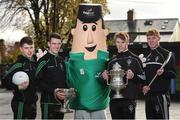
(157, 94)
(51, 75)
(24, 100)
(124, 108)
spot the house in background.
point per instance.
(169, 29)
(137, 28)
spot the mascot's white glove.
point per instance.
(143, 60)
(40, 53)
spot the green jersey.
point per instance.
(91, 92)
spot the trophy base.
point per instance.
(118, 96)
(63, 110)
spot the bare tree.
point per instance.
(45, 16)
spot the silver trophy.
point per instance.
(116, 82)
(69, 94)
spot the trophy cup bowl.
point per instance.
(69, 94)
(116, 82)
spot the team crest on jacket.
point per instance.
(157, 108)
(62, 68)
(131, 108)
(81, 71)
(129, 61)
(157, 58)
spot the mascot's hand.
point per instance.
(143, 60)
(40, 53)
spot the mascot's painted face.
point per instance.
(89, 38)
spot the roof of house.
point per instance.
(141, 25)
(166, 27)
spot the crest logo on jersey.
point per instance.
(62, 68)
(131, 108)
(157, 108)
(81, 71)
(157, 58)
(129, 61)
(148, 59)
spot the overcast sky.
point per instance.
(118, 10)
(12, 35)
(144, 9)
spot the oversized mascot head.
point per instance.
(89, 35)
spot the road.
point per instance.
(6, 113)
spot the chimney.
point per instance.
(131, 15)
(131, 21)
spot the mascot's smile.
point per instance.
(90, 49)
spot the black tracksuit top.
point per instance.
(50, 74)
(153, 62)
(28, 66)
(127, 60)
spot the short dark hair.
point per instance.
(26, 40)
(54, 35)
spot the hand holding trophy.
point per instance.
(68, 95)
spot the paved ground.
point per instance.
(6, 113)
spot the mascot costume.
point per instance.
(88, 58)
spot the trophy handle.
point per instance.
(65, 105)
(107, 82)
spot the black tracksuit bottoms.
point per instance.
(122, 108)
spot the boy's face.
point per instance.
(27, 50)
(121, 45)
(54, 45)
(89, 38)
(153, 41)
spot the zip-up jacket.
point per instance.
(29, 66)
(50, 74)
(154, 61)
(127, 60)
